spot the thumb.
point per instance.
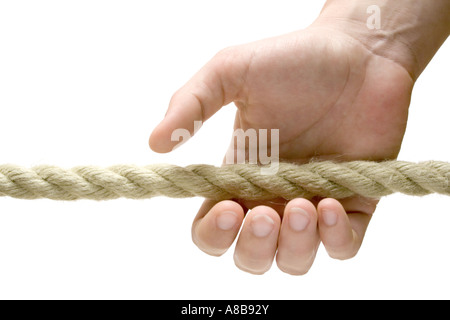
(215, 85)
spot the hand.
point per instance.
(331, 98)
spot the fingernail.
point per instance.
(329, 217)
(262, 225)
(298, 219)
(226, 220)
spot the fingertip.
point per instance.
(174, 130)
(336, 232)
(268, 212)
(329, 203)
(300, 204)
(299, 238)
(330, 212)
(158, 141)
(216, 226)
(257, 242)
(228, 207)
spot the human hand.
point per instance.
(331, 98)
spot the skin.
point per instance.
(334, 94)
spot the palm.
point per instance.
(329, 102)
(333, 99)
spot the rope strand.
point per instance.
(240, 181)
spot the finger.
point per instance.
(257, 242)
(341, 233)
(359, 211)
(215, 85)
(299, 237)
(216, 226)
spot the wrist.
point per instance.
(408, 32)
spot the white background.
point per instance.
(84, 82)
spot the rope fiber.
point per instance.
(239, 181)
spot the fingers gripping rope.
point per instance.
(243, 181)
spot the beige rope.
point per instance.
(326, 179)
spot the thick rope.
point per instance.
(325, 179)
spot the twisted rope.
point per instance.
(326, 179)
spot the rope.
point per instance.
(241, 181)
